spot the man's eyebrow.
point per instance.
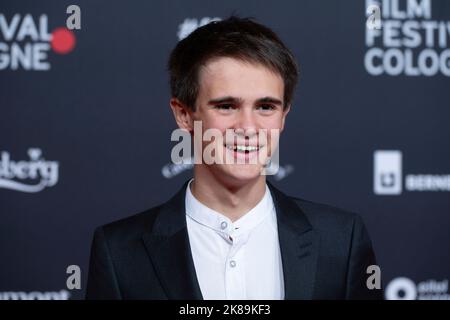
(270, 100)
(235, 100)
(227, 99)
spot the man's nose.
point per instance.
(245, 122)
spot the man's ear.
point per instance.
(182, 114)
(285, 112)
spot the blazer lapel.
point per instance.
(169, 250)
(299, 246)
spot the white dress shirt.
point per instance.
(235, 260)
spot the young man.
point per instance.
(228, 233)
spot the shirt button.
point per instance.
(232, 263)
(224, 225)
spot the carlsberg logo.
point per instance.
(28, 176)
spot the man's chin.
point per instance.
(240, 172)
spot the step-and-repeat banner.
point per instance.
(85, 127)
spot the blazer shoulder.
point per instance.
(160, 218)
(339, 229)
(324, 216)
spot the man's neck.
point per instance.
(233, 200)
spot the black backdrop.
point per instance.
(88, 140)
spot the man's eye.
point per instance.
(266, 107)
(224, 106)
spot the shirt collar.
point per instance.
(223, 225)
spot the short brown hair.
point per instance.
(239, 38)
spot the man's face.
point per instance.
(244, 98)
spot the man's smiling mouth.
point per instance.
(243, 148)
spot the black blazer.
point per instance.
(325, 253)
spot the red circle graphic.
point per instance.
(63, 40)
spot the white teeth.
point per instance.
(242, 148)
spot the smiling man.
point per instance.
(228, 233)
